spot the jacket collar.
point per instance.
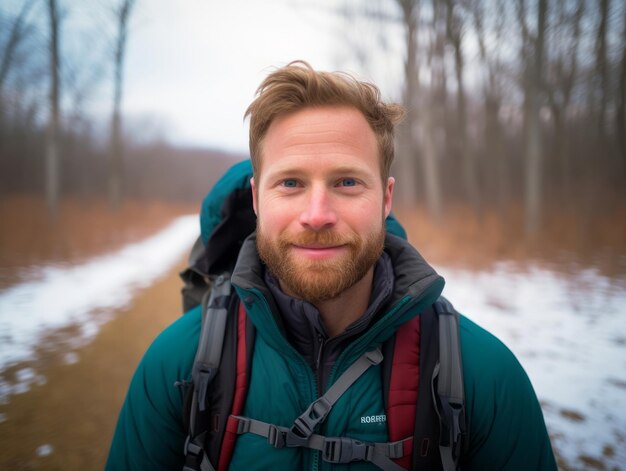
(413, 275)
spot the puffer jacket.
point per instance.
(506, 426)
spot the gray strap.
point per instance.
(206, 364)
(334, 449)
(316, 413)
(191, 447)
(450, 392)
(450, 383)
(209, 351)
(338, 450)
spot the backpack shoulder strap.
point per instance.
(447, 385)
(440, 415)
(215, 308)
(402, 378)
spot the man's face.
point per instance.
(320, 201)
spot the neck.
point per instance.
(338, 313)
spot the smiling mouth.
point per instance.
(319, 251)
(317, 247)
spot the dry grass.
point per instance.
(567, 241)
(82, 229)
(76, 410)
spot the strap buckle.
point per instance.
(192, 448)
(304, 425)
(395, 450)
(345, 450)
(276, 437)
(454, 411)
(194, 455)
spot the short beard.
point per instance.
(320, 280)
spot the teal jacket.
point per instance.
(506, 426)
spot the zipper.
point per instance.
(402, 307)
(399, 309)
(314, 383)
(318, 364)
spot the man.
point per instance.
(323, 284)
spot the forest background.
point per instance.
(513, 148)
(516, 110)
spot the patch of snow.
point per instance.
(70, 358)
(568, 333)
(566, 330)
(44, 450)
(70, 295)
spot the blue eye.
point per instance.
(290, 183)
(348, 182)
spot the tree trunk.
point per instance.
(116, 165)
(433, 103)
(406, 161)
(559, 92)
(430, 166)
(620, 119)
(52, 170)
(602, 69)
(17, 28)
(461, 148)
(534, 150)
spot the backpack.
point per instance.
(423, 434)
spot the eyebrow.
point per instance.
(341, 170)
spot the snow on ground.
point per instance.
(569, 333)
(60, 297)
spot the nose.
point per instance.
(318, 214)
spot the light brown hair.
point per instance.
(297, 86)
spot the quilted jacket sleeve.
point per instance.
(506, 425)
(150, 434)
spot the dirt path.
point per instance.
(75, 411)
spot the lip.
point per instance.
(318, 252)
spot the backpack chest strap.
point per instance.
(337, 450)
(333, 449)
(319, 409)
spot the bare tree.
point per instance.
(490, 55)
(533, 80)
(461, 149)
(116, 168)
(562, 70)
(602, 68)
(15, 36)
(433, 105)
(406, 162)
(53, 136)
(620, 121)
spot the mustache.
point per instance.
(323, 238)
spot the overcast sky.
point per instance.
(193, 65)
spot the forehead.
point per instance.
(322, 135)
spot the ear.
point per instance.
(389, 195)
(254, 196)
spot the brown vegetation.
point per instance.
(83, 228)
(75, 410)
(567, 242)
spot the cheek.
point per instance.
(361, 220)
(273, 217)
